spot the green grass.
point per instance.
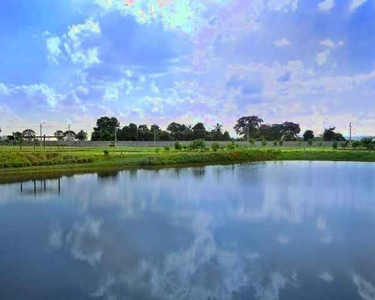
(13, 161)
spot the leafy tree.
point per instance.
(69, 135)
(271, 132)
(329, 134)
(368, 143)
(59, 135)
(81, 135)
(17, 135)
(164, 135)
(216, 133)
(334, 145)
(290, 131)
(308, 135)
(199, 131)
(226, 136)
(28, 134)
(248, 124)
(128, 133)
(105, 129)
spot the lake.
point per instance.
(275, 230)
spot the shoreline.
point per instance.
(184, 159)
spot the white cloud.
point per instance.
(70, 45)
(282, 43)
(365, 288)
(322, 57)
(356, 4)
(327, 277)
(282, 239)
(326, 5)
(330, 44)
(53, 49)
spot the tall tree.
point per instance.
(271, 132)
(69, 135)
(59, 135)
(105, 129)
(329, 134)
(216, 133)
(17, 135)
(199, 131)
(290, 131)
(81, 135)
(28, 134)
(248, 124)
(308, 135)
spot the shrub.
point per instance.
(251, 142)
(215, 146)
(281, 143)
(320, 144)
(106, 153)
(310, 142)
(334, 145)
(368, 143)
(264, 143)
(231, 146)
(275, 143)
(177, 145)
(197, 144)
(356, 144)
(112, 144)
(166, 148)
(157, 150)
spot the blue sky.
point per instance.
(157, 61)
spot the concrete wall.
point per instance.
(171, 144)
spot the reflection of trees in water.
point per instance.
(198, 172)
(37, 187)
(107, 175)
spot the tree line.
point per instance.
(247, 127)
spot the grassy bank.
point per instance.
(83, 160)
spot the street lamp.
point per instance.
(41, 132)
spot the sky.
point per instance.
(158, 61)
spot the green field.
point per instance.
(14, 161)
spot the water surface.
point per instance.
(277, 230)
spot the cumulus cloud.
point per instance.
(326, 5)
(322, 57)
(330, 44)
(365, 288)
(327, 277)
(282, 43)
(355, 4)
(53, 48)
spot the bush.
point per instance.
(264, 143)
(368, 143)
(166, 148)
(251, 142)
(215, 146)
(356, 144)
(112, 144)
(310, 142)
(157, 150)
(334, 145)
(197, 144)
(177, 145)
(231, 146)
(275, 143)
(281, 143)
(106, 153)
(320, 144)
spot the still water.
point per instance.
(278, 230)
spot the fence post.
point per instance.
(44, 142)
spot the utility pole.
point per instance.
(247, 135)
(41, 133)
(154, 135)
(116, 137)
(69, 136)
(350, 134)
